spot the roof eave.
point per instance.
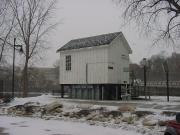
(100, 46)
(58, 50)
(130, 51)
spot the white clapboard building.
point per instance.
(95, 67)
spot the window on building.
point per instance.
(68, 62)
(110, 67)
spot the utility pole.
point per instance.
(166, 70)
(13, 68)
(145, 69)
(145, 82)
(167, 83)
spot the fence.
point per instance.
(33, 90)
(175, 84)
(158, 88)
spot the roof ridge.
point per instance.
(96, 36)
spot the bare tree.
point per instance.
(56, 66)
(161, 16)
(32, 17)
(6, 26)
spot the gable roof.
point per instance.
(99, 40)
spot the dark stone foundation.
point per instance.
(93, 91)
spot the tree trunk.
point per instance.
(25, 80)
(25, 74)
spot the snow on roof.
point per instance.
(99, 40)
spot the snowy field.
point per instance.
(35, 126)
(140, 117)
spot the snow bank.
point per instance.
(58, 126)
(43, 99)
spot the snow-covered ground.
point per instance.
(160, 101)
(60, 124)
(35, 126)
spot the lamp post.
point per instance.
(166, 70)
(14, 50)
(145, 69)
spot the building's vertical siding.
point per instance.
(89, 65)
(119, 57)
(97, 73)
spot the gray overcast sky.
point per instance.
(82, 18)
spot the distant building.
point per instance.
(95, 67)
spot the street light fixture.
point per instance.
(20, 50)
